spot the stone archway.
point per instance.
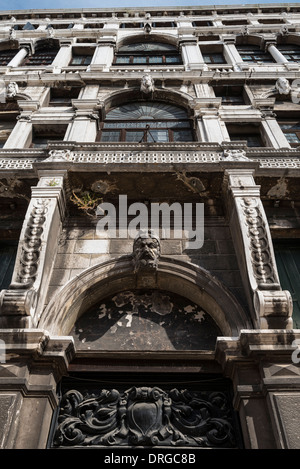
(114, 276)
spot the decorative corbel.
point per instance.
(270, 306)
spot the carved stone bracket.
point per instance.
(270, 306)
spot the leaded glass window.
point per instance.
(146, 122)
(152, 53)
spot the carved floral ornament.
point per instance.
(259, 245)
(145, 416)
(29, 259)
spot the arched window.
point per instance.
(146, 122)
(148, 53)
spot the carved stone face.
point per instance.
(146, 252)
(147, 84)
(283, 86)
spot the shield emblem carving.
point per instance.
(144, 414)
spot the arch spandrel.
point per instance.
(112, 277)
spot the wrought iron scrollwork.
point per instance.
(145, 416)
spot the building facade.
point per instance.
(149, 228)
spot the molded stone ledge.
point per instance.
(252, 342)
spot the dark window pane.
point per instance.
(81, 60)
(6, 56)
(134, 136)
(110, 136)
(139, 60)
(182, 136)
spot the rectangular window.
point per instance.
(254, 54)
(63, 96)
(81, 60)
(250, 133)
(290, 52)
(214, 58)
(230, 94)
(291, 130)
(6, 56)
(42, 135)
(40, 58)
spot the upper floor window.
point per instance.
(214, 58)
(230, 94)
(290, 51)
(253, 54)
(234, 22)
(43, 56)
(291, 130)
(6, 56)
(43, 134)
(82, 55)
(63, 96)
(146, 122)
(249, 132)
(150, 53)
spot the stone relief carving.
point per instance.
(12, 89)
(145, 416)
(282, 85)
(193, 183)
(147, 84)
(146, 251)
(235, 155)
(262, 263)
(59, 155)
(31, 248)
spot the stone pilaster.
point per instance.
(270, 306)
(264, 368)
(103, 55)
(33, 365)
(22, 303)
(191, 54)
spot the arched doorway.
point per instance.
(145, 355)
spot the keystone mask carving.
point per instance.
(146, 251)
(147, 84)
